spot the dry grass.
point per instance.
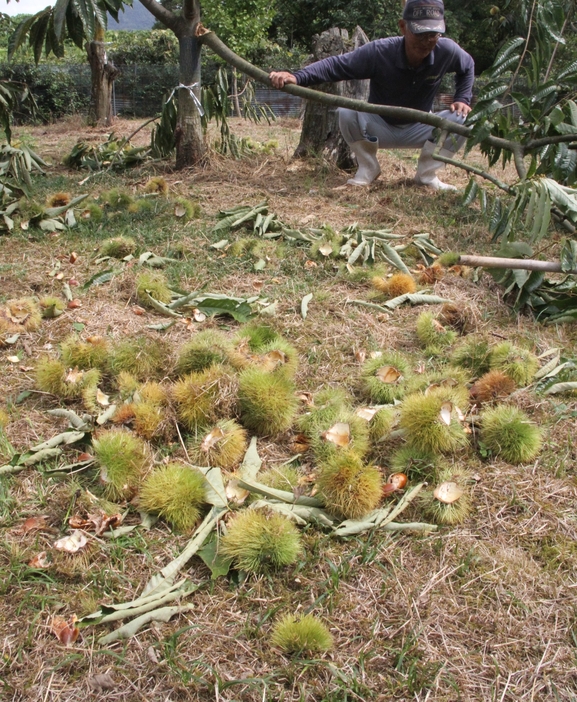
(483, 611)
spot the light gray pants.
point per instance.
(356, 126)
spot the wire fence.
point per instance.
(139, 90)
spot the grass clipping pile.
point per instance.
(173, 435)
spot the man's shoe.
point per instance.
(435, 184)
(369, 168)
(427, 168)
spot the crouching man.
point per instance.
(404, 71)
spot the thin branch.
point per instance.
(518, 153)
(168, 18)
(545, 141)
(510, 190)
(563, 220)
(554, 52)
(476, 171)
(526, 264)
(135, 132)
(525, 49)
(127, 139)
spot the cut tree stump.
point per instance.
(320, 135)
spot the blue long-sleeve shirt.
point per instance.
(392, 80)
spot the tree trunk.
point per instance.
(103, 73)
(189, 137)
(320, 133)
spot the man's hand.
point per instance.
(460, 108)
(279, 79)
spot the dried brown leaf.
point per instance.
(339, 434)
(211, 439)
(33, 524)
(39, 561)
(66, 632)
(388, 374)
(74, 375)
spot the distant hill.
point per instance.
(135, 17)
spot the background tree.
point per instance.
(297, 22)
(190, 146)
(241, 24)
(81, 21)
(526, 112)
(472, 26)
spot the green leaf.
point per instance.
(50, 225)
(60, 9)
(483, 110)
(506, 50)
(542, 216)
(546, 21)
(163, 326)
(251, 463)
(557, 115)
(241, 311)
(502, 67)
(571, 70)
(470, 192)
(569, 256)
(549, 367)
(78, 326)
(514, 249)
(22, 396)
(100, 278)
(544, 92)
(19, 35)
(520, 276)
(357, 252)
(393, 257)
(561, 387)
(219, 565)
(70, 436)
(215, 490)
(85, 11)
(415, 299)
(488, 95)
(482, 200)
(163, 614)
(54, 211)
(38, 33)
(270, 310)
(496, 215)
